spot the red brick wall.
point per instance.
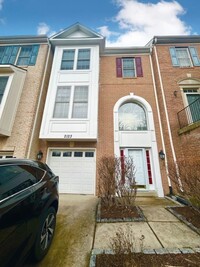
(110, 91)
(185, 145)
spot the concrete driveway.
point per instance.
(73, 238)
(77, 233)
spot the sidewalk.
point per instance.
(161, 229)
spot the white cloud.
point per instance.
(43, 28)
(139, 22)
(106, 32)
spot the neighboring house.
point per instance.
(176, 61)
(22, 72)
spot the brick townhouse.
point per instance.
(177, 74)
(139, 102)
(23, 77)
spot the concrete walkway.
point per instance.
(161, 229)
(77, 233)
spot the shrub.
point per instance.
(117, 184)
(186, 178)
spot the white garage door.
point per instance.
(76, 170)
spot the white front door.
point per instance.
(139, 161)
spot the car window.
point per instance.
(46, 168)
(14, 178)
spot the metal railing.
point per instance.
(189, 114)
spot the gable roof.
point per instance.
(77, 34)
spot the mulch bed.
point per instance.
(148, 260)
(188, 215)
(117, 213)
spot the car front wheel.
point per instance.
(45, 234)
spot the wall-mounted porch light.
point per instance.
(161, 154)
(39, 155)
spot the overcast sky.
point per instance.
(122, 22)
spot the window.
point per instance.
(89, 154)
(132, 117)
(3, 83)
(129, 67)
(11, 175)
(56, 154)
(80, 102)
(68, 60)
(61, 109)
(78, 154)
(184, 56)
(83, 62)
(19, 55)
(67, 154)
(75, 59)
(6, 154)
(193, 102)
(71, 102)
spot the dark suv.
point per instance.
(28, 207)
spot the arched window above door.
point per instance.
(132, 117)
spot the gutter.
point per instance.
(160, 126)
(168, 124)
(39, 102)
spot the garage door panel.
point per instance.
(77, 174)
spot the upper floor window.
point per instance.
(132, 117)
(19, 55)
(184, 56)
(129, 67)
(75, 59)
(193, 103)
(3, 83)
(71, 102)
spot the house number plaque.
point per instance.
(68, 136)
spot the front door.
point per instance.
(139, 162)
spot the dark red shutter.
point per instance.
(138, 63)
(119, 67)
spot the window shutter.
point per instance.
(34, 53)
(173, 56)
(138, 63)
(194, 55)
(119, 67)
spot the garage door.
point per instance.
(76, 170)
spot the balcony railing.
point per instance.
(189, 114)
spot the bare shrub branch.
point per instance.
(117, 184)
(189, 174)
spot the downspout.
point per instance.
(167, 117)
(160, 125)
(39, 102)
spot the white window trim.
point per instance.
(75, 58)
(6, 91)
(71, 102)
(184, 93)
(135, 72)
(189, 56)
